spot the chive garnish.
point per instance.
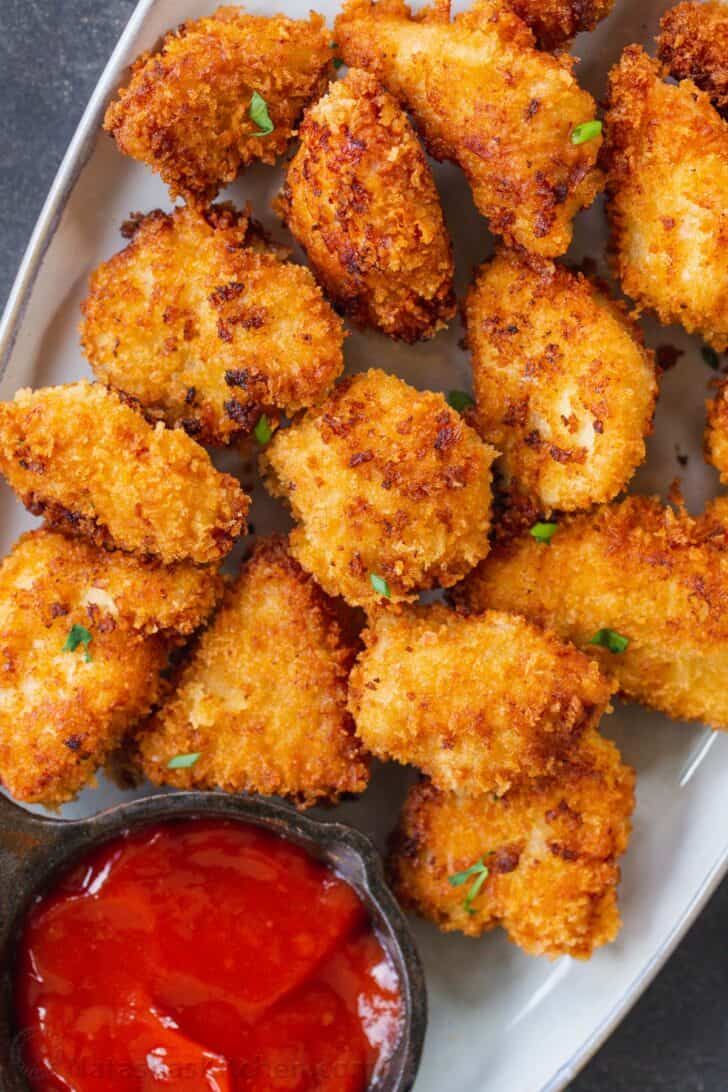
(380, 585)
(78, 635)
(183, 762)
(259, 114)
(262, 430)
(610, 639)
(460, 400)
(543, 532)
(480, 871)
(589, 130)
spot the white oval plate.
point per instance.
(499, 1019)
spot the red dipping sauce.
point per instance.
(204, 956)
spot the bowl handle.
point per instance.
(23, 836)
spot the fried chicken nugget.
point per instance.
(542, 861)
(716, 433)
(475, 702)
(390, 486)
(84, 634)
(693, 44)
(636, 571)
(207, 327)
(486, 98)
(262, 700)
(555, 22)
(190, 109)
(666, 152)
(360, 198)
(564, 386)
(91, 465)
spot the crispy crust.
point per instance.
(693, 44)
(263, 697)
(716, 433)
(185, 110)
(383, 480)
(483, 96)
(655, 576)
(555, 22)
(208, 327)
(551, 847)
(360, 198)
(474, 702)
(61, 715)
(565, 388)
(91, 465)
(666, 153)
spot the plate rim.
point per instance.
(79, 151)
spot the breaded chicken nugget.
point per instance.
(556, 22)
(693, 44)
(84, 634)
(542, 861)
(667, 156)
(475, 702)
(636, 577)
(207, 327)
(221, 92)
(262, 699)
(564, 386)
(390, 486)
(360, 198)
(486, 98)
(91, 465)
(716, 433)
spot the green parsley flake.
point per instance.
(380, 585)
(78, 635)
(263, 431)
(480, 871)
(183, 762)
(259, 115)
(710, 357)
(338, 63)
(588, 131)
(543, 532)
(610, 639)
(460, 400)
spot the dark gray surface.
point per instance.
(51, 54)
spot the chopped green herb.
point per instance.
(182, 762)
(480, 871)
(78, 635)
(380, 585)
(543, 532)
(609, 638)
(259, 114)
(338, 63)
(710, 357)
(460, 400)
(263, 431)
(588, 131)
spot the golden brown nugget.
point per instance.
(693, 45)
(91, 465)
(483, 96)
(207, 327)
(84, 634)
(390, 488)
(632, 571)
(541, 861)
(666, 151)
(474, 702)
(716, 433)
(192, 109)
(262, 699)
(564, 386)
(360, 198)
(555, 22)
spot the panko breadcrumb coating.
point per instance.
(551, 848)
(564, 386)
(262, 699)
(360, 198)
(555, 22)
(666, 151)
(207, 327)
(387, 484)
(486, 98)
(716, 433)
(186, 110)
(63, 709)
(474, 702)
(656, 577)
(693, 45)
(91, 465)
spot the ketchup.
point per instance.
(204, 956)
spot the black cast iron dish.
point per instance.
(33, 849)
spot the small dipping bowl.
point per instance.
(35, 851)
